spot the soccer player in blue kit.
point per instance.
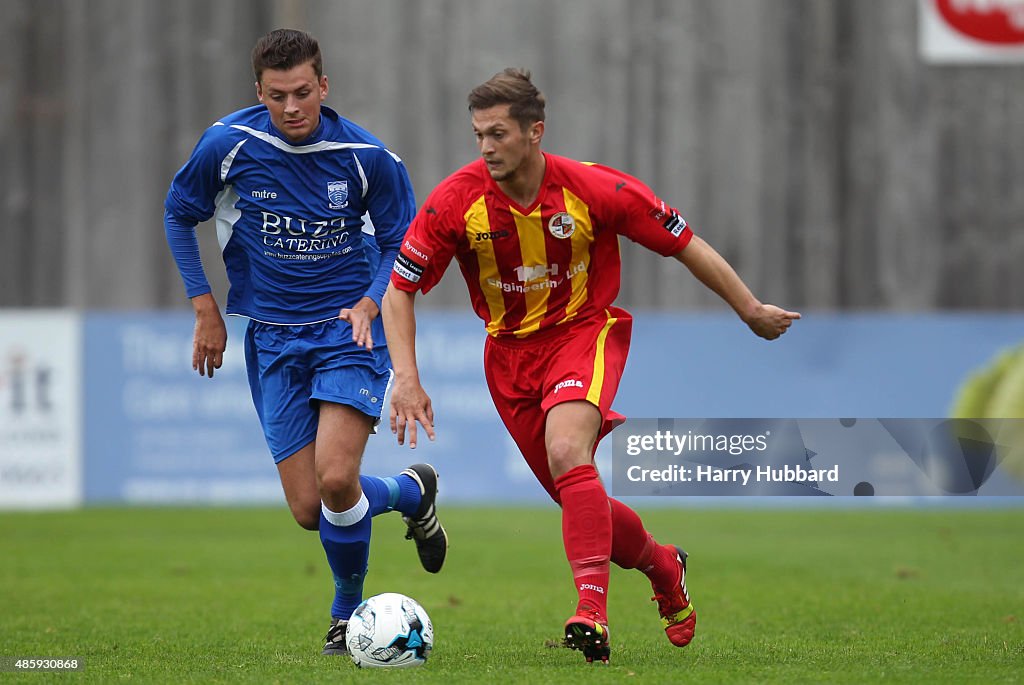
(289, 183)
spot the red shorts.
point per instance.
(582, 360)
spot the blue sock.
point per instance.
(348, 548)
(399, 493)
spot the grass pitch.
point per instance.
(242, 595)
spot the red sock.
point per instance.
(634, 547)
(587, 534)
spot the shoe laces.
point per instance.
(336, 633)
(670, 603)
(417, 528)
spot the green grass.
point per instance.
(242, 595)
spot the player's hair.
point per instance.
(285, 49)
(511, 87)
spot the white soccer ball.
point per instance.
(389, 631)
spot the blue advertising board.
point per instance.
(157, 432)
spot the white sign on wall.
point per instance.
(40, 410)
(972, 31)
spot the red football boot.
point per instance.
(587, 631)
(677, 613)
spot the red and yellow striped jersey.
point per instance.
(532, 268)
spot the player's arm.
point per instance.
(391, 205)
(360, 316)
(711, 269)
(210, 337)
(409, 401)
(190, 200)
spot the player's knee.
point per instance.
(564, 454)
(339, 489)
(307, 516)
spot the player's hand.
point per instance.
(409, 404)
(361, 316)
(769, 321)
(209, 340)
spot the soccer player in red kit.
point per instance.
(536, 238)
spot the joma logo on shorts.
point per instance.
(570, 383)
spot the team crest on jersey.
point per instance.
(337, 193)
(562, 225)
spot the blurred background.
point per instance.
(858, 160)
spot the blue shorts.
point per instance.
(291, 368)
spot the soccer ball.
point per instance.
(389, 631)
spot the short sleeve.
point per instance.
(636, 212)
(428, 246)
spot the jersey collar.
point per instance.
(541, 192)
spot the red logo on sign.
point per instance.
(990, 21)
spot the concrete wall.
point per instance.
(805, 139)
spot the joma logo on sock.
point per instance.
(595, 588)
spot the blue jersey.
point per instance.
(291, 219)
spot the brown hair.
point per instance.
(284, 49)
(511, 87)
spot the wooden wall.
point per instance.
(805, 139)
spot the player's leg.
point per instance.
(349, 501)
(294, 373)
(345, 510)
(298, 479)
(525, 421)
(570, 432)
(664, 566)
(596, 358)
(580, 380)
(280, 380)
(517, 378)
(632, 546)
(359, 378)
(289, 423)
(295, 420)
